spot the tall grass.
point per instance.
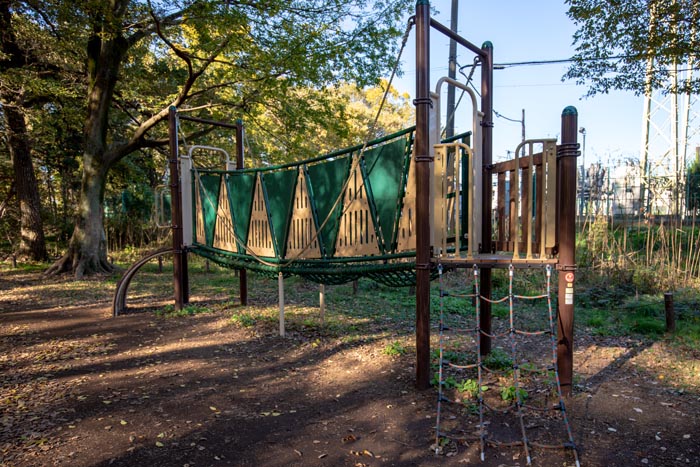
(661, 254)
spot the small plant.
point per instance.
(498, 359)
(243, 320)
(447, 383)
(394, 349)
(188, 310)
(509, 393)
(470, 388)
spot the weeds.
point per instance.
(394, 349)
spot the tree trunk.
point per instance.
(87, 248)
(32, 243)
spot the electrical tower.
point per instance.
(670, 133)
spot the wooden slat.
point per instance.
(260, 235)
(406, 237)
(356, 236)
(539, 206)
(199, 235)
(501, 211)
(223, 231)
(302, 241)
(513, 214)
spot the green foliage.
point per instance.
(621, 37)
(470, 388)
(169, 311)
(498, 359)
(394, 349)
(448, 382)
(276, 65)
(499, 310)
(243, 320)
(509, 393)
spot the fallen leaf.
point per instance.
(123, 422)
(321, 456)
(159, 444)
(638, 410)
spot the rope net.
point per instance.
(518, 391)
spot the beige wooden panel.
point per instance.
(259, 234)
(406, 238)
(356, 235)
(223, 232)
(550, 198)
(301, 239)
(199, 235)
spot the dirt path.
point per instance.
(80, 388)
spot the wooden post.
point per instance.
(568, 151)
(422, 160)
(670, 313)
(240, 162)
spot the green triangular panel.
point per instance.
(209, 193)
(279, 187)
(240, 198)
(384, 167)
(326, 182)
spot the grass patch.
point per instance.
(169, 311)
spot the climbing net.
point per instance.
(527, 387)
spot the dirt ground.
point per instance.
(80, 388)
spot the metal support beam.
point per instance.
(452, 73)
(240, 164)
(280, 297)
(568, 151)
(422, 160)
(180, 277)
(486, 194)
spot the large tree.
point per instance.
(143, 56)
(19, 65)
(635, 44)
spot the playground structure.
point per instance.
(397, 210)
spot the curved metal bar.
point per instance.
(119, 301)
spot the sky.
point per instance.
(526, 31)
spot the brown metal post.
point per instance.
(243, 276)
(180, 285)
(422, 160)
(670, 313)
(568, 151)
(487, 159)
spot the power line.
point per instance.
(559, 60)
